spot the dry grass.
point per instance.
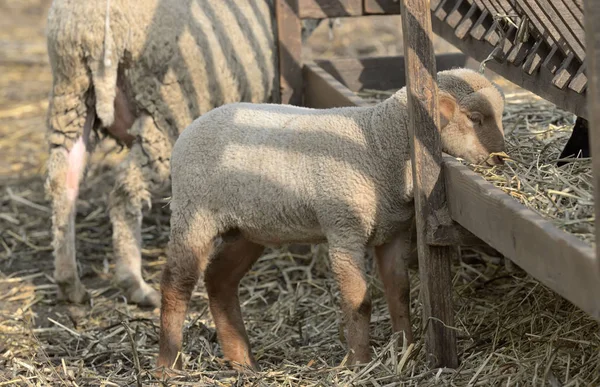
(536, 133)
(512, 330)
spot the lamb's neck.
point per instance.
(388, 129)
(389, 124)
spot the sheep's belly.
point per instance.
(278, 237)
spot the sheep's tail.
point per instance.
(107, 45)
(104, 76)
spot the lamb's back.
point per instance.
(269, 166)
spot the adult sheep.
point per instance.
(248, 175)
(140, 72)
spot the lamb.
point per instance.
(140, 72)
(249, 175)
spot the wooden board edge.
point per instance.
(372, 72)
(556, 258)
(322, 90)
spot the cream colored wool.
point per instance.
(172, 60)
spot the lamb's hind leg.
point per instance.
(227, 266)
(66, 165)
(189, 250)
(145, 169)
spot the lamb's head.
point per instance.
(470, 116)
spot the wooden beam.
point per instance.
(323, 91)
(556, 258)
(321, 9)
(289, 34)
(381, 72)
(592, 31)
(382, 7)
(429, 187)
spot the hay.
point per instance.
(536, 134)
(511, 330)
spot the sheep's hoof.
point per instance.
(74, 292)
(144, 296)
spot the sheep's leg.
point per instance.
(349, 268)
(222, 278)
(184, 264)
(391, 263)
(65, 171)
(145, 169)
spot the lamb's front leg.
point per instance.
(391, 263)
(348, 265)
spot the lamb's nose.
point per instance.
(494, 160)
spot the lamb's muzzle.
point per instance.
(277, 174)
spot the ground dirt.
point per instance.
(511, 330)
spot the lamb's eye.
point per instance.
(476, 118)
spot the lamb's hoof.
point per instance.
(73, 292)
(163, 373)
(354, 359)
(245, 368)
(145, 296)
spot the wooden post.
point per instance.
(289, 32)
(429, 187)
(592, 43)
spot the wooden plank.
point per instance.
(579, 82)
(557, 259)
(325, 91)
(482, 24)
(455, 15)
(289, 33)
(566, 35)
(565, 72)
(519, 53)
(537, 83)
(468, 21)
(592, 15)
(577, 14)
(491, 36)
(388, 7)
(572, 22)
(429, 190)
(444, 9)
(553, 59)
(545, 26)
(491, 7)
(381, 72)
(534, 57)
(321, 9)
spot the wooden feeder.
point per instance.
(539, 45)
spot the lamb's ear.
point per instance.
(447, 108)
